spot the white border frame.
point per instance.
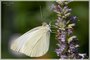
(42, 59)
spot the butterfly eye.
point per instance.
(44, 24)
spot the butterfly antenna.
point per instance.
(41, 13)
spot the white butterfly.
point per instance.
(33, 43)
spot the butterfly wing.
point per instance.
(16, 44)
(34, 43)
(40, 47)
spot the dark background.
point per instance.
(18, 17)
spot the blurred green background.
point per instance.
(20, 16)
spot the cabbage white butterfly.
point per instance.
(33, 43)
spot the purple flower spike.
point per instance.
(73, 19)
(69, 31)
(63, 57)
(56, 8)
(63, 38)
(69, 10)
(57, 51)
(67, 42)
